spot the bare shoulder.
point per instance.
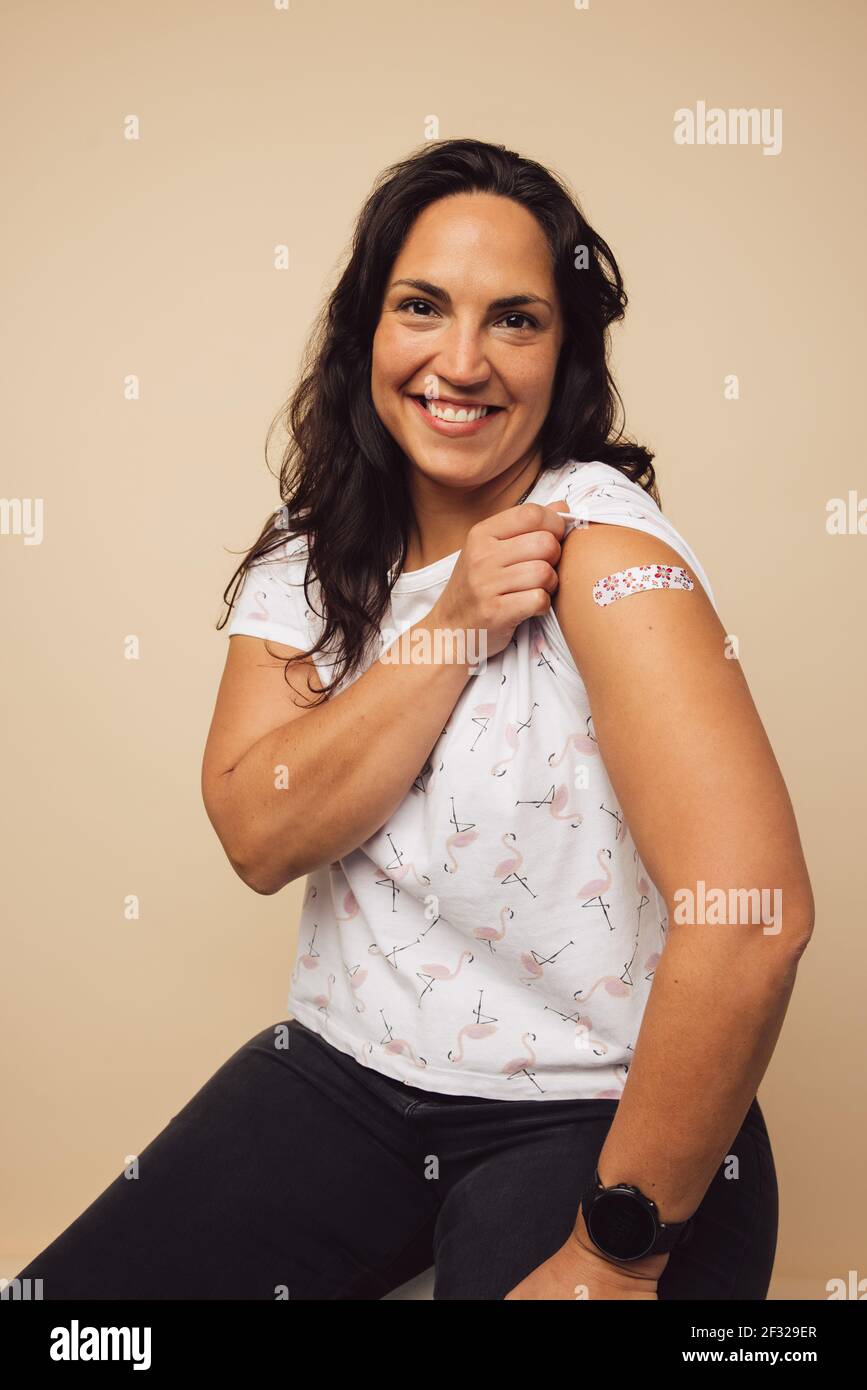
(628, 602)
(677, 727)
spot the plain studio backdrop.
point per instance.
(156, 158)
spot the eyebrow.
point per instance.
(512, 301)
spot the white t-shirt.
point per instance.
(498, 935)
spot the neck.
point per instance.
(444, 515)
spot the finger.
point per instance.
(529, 516)
(532, 545)
(531, 574)
(529, 603)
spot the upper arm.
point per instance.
(254, 697)
(679, 734)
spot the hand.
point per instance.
(579, 1271)
(505, 573)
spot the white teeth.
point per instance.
(460, 416)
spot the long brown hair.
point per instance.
(342, 475)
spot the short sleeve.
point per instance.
(271, 601)
(601, 493)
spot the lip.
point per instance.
(455, 400)
(453, 429)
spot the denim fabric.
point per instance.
(300, 1170)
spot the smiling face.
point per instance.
(470, 318)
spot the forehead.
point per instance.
(476, 235)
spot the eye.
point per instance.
(423, 302)
(529, 318)
(426, 304)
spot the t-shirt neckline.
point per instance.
(435, 573)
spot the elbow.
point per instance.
(248, 861)
(803, 914)
(258, 885)
(246, 857)
(802, 934)
(270, 879)
(261, 878)
(795, 929)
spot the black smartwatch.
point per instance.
(625, 1225)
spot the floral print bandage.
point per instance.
(629, 581)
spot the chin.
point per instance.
(455, 473)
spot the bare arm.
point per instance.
(288, 788)
(704, 799)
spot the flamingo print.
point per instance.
(533, 963)
(440, 972)
(555, 799)
(402, 1047)
(399, 1047)
(507, 871)
(350, 906)
(585, 1041)
(594, 888)
(537, 968)
(390, 883)
(582, 743)
(309, 958)
(511, 736)
(458, 841)
(374, 949)
(398, 870)
(470, 1030)
(484, 1027)
(356, 977)
(559, 805)
(614, 985)
(519, 1065)
(398, 875)
(464, 835)
(491, 934)
(322, 1001)
(539, 647)
(426, 787)
(650, 964)
(620, 833)
(482, 716)
(508, 866)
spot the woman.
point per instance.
(478, 693)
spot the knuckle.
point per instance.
(534, 513)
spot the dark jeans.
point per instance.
(300, 1171)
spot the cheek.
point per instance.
(392, 352)
(533, 387)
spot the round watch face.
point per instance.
(621, 1225)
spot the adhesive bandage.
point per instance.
(629, 581)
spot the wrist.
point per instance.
(449, 645)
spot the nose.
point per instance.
(461, 359)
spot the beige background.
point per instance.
(155, 257)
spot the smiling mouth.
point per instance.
(452, 413)
(452, 421)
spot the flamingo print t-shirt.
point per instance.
(498, 935)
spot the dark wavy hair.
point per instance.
(342, 476)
